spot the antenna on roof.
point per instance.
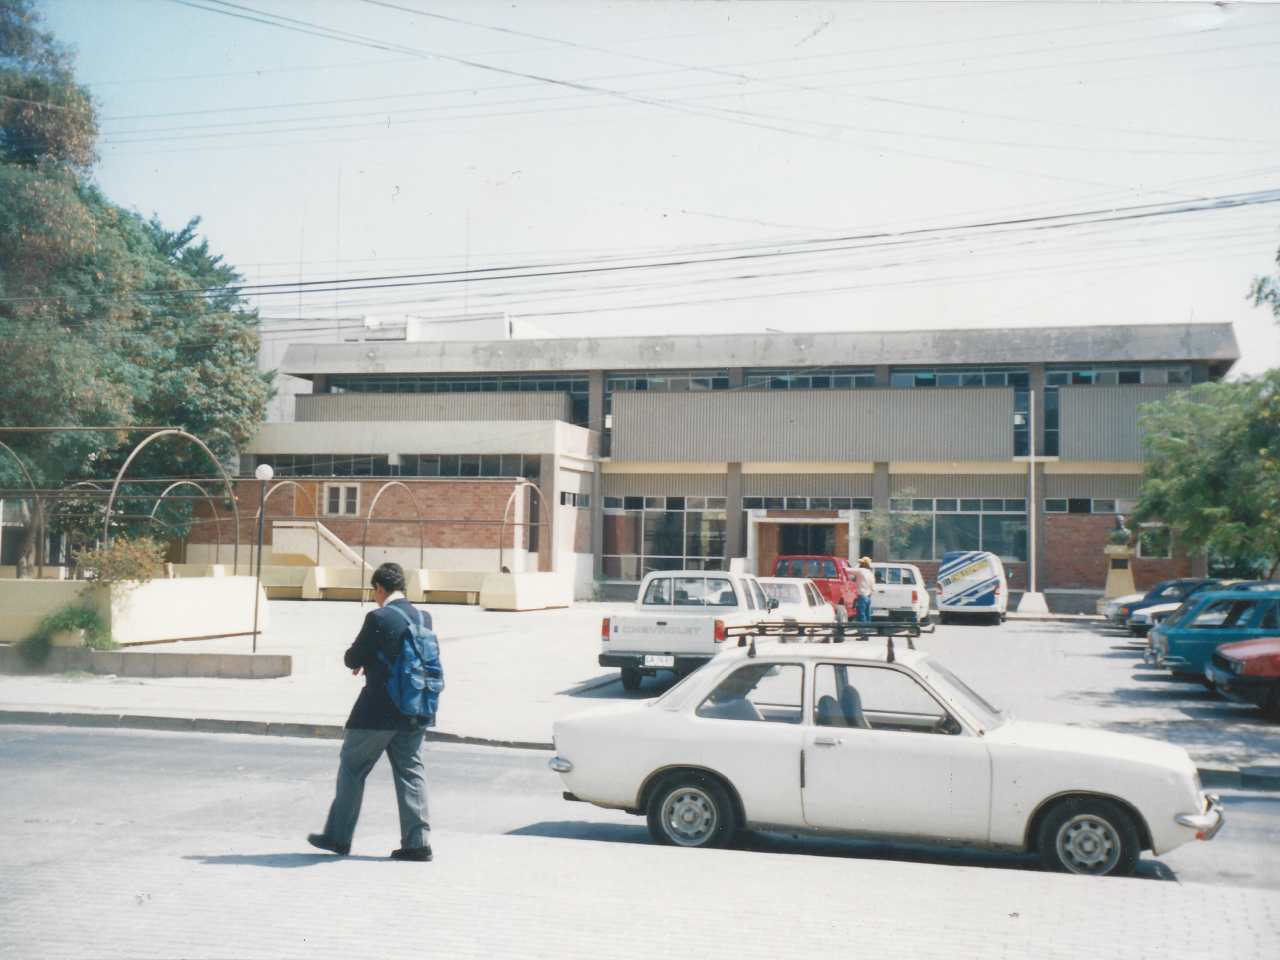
(888, 653)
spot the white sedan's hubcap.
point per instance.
(1089, 845)
(689, 816)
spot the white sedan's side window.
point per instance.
(875, 698)
(759, 691)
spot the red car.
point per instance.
(1248, 672)
(833, 576)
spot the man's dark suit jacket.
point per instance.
(382, 632)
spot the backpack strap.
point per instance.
(409, 621)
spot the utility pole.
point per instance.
(1033, 600)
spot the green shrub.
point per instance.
(34, 649)
(121, 560)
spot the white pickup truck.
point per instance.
(680, 622)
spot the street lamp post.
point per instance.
(263, 473)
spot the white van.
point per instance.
(972, 583)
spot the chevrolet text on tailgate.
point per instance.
(680, 622)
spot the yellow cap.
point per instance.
(865, 560)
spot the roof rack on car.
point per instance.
(791, 631)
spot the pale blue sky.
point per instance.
(701, 127)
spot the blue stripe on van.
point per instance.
(957, 561)
(980, 595)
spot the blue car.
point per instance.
(1167, 591)
(1184, 642)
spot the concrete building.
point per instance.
(683, 451)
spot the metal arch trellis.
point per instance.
(217, 520)
(39, 508)
(364, 540)
(502, 533)
(310, 499)
(231, 493)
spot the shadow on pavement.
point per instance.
(650, 687)
(821, 847)
(277, 860)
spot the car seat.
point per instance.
(851, 709)
(829, 714)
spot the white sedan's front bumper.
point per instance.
(1207, 824)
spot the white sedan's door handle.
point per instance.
(827, 741)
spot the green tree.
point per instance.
(896, 526)
(1213, 468)
(105, 318)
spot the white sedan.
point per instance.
(798, 599)
(859, 740)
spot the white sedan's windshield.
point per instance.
(956, 691)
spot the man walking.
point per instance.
(376, 726)
(864, 583)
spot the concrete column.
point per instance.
(597, 522)
(880, 501)
(882, 375)
(1041, 521)
(1036, 374)
(734, 542)
(549, 484)
(595, 400)
(320, 383)
(737, 378)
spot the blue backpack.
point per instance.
(416, 677)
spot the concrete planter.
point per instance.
(67, 638)
(526, 591)
(177, 609)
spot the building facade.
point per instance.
(668, 452)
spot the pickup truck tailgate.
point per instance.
(672, 634)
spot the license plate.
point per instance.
(651, 660)
(882, 612)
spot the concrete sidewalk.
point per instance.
(509, 676)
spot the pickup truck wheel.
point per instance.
(944, 617)
(630, 678)
(1088, 836)
(691, 811)
(842, 614)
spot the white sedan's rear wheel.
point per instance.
(1089, 836)
(691, 811)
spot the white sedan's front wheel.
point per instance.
(1089, 836)
(691, 811)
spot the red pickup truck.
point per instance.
(833, 576)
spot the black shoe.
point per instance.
(412, 853)
(324, 843)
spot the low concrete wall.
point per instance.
(50, 573)
(154, 612)
(526, 591)
(139, 663)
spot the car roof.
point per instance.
(1251, 594)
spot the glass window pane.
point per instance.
(875, 698)
(663, 534)
(812, 568)
(1055, 506)
(775, 503)
(829, 570)
(797, 503)
(720, 593)
(970, 505)
(1015, 506)
(947, 506)
(675, 503)
(841, 503)
(919, 544)
(1005, 536)
(957, 532)
(633, 503)
(690, 591)
(705, 534)
(622, 533)
(655, 503)
(995, 505)
(716, 503)
(925, 506)
(1104, 506)
(753, 503)
(770, 692)
(658, 591)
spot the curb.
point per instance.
(258, 728)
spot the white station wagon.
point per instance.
(860, 740)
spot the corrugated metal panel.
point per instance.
(664, 484)
(960, 484)
(349, 407)
(806, 484)
(1092, 485)
(815, 426)
(1100, 424)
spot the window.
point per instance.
(574, 384)
(772, 692)
(568, 499)
(807, 503)
(809, 379)
(341, 501)
(1270, 619)
(814, 599)
(1154, 542)
(1224, 614)
(1055, 506)
(759, 594)
(876, 698)
(697, 592)
(658, 592)
(643, 534)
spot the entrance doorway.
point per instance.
(807, 538)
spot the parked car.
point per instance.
(1167, 591)
(863, 740)
(1248, 672)
(1185, 644)
(1145, 618)
(798, 600)
(900, 593)
(680, 622)
(972, 583)
(832, 575)
(1112, 607)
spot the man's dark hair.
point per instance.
(390, 577)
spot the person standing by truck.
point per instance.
(864, 582)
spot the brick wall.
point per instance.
(1074, 559)
(471, 511)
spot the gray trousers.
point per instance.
(360, 752)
